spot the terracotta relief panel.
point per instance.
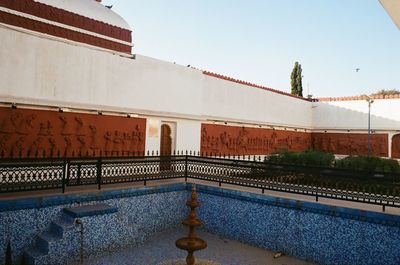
(31, 133)
(236, 140)
(350, 143)
(396, 146)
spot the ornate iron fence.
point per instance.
(58, 173)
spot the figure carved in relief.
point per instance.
(18, 147)
(341, 145)
(82, 145)
(118, 142)
(109, 142)
(65, 128)
(274, 141)
(204, 138)
(68, 146)
(93, 140)
(10, 123)
(214, 144)
(223, 138)
(396, 146)
(26, 126)
(134, 138)
(80, 130)
(45, 129)
(3, 144)
(125, 139)
(36, 147)
(139, 134)
(53, 145)
(242, 140)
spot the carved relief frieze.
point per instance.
(396, 146)
(235, 140)
(40, 133)
(350, 143)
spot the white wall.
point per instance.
(41, 71)
(385, 114)
(186, 136)
(225, 99)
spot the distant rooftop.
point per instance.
(363, 97)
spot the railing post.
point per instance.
(99, 173)
(64, 175)
(186, 168)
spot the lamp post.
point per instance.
(370, 101)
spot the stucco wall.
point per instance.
(353, 114)
(40, 71)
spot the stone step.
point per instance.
(33, 254)
(90, 210)
(43, 240)
(60, 225)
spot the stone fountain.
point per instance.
(191, 243)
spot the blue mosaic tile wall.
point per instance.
(141, 213)
(309, 231)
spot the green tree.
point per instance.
(296, 80)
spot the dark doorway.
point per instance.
(165, 147)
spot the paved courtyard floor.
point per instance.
(161, 247)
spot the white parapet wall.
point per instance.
(37, 70)
(353, 114)
(41, 71)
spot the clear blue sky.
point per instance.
(259, 40)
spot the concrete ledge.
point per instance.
(56, 200)
(318, 208)
(90, 210)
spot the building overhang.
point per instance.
(392, 7)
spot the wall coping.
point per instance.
(335, 211)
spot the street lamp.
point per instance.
(370, 101)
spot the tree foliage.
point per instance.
(296, 80)
(385, 92)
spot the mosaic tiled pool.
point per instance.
(41, 231)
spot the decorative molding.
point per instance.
(51, 13)
(64, 33)
(50, 22)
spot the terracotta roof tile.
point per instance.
(227, 78)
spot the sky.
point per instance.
(259, 41)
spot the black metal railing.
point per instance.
(58, 173)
